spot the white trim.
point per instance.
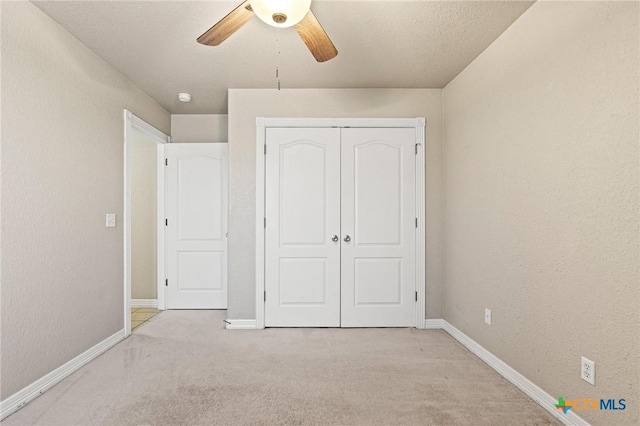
(144, 303)
(419, 123)
(260, 214)
(147, 128)
(241, 324)
(131, 122)
(161, 271)
(542, 398)
(431, 324)
(339, 122)
(421, 284)
(127, 220)
(37, 388)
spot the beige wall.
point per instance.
(199, 128)
(541, 168)
(62, 170)
(247, 104)
(144, 188)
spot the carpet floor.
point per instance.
(184, 368)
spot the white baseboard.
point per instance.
(432, 324)
(543, 399)
(241, 324)
(35, 389)
(144, 303)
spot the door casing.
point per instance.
(418, 124)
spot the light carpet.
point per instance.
(184, 368)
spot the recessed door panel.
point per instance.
(303, 281)
(378, 193)
(377, 281)
(378, 216)
(193, 265)
(302, 262)
(199, 218)
(303, 201)
(196, 182)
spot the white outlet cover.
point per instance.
(588, 371)
(487, 316)
(111, 220)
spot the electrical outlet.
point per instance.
(487, 316)
(588, 371)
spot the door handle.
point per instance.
(335, 238)
(347, 239)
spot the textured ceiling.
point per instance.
(399, 44)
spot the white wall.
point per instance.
(247, 104)
(199, 128)
(144, 216)
(541, 169)
(62, 170)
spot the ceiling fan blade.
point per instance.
(316, 38)
(227, 25)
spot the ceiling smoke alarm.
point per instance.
(184, 97)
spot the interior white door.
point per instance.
(378, 227)
(196, 182)
(302, 246)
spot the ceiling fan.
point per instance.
(277, 13)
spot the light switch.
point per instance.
(111, 220)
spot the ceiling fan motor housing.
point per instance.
(280, 13)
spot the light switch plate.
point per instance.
(111, 220)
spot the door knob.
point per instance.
(335, 238)
(347, 239)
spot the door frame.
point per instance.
(419, 124)
(132, 122)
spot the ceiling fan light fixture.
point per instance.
(281, 13)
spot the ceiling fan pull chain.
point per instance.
(278, 60)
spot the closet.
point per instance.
(340, 226)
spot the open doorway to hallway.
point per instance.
(144, 235)
(144, 223)
(141, 315)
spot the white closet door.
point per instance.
(378, 216)
(302, 264)
(196, 182)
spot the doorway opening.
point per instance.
(144, 265)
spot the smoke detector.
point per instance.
(184, 97)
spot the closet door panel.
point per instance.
(302, 264)
(378, 227)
